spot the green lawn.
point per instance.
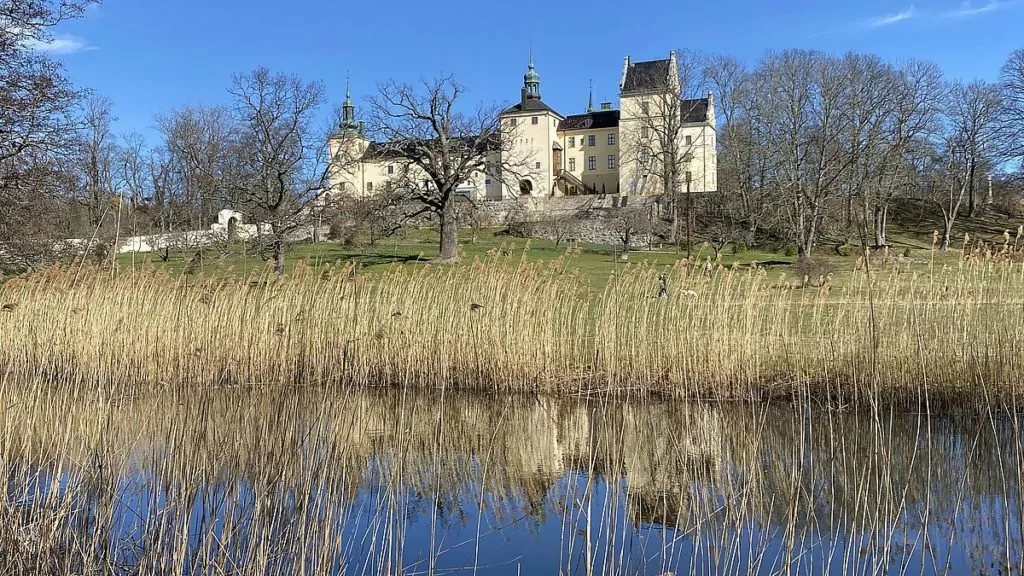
(418, 247)
(910, 228)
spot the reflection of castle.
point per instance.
(548, 437)
(602, 151)
(749, 487)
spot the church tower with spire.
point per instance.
(533, 126)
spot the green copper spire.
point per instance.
(348, 111)
(531, 80)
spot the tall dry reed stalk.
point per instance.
(301, 481)
(724, 333)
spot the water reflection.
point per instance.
(388, 482)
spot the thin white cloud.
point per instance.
(890, 19)
(61, 44)
(967, 9)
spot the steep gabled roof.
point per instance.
(650, 76)
(695, 110)
(590, 121)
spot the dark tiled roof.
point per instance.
(530, 105)
(646, 76)
(379, 151)
(402, 148)
(590, 121)
(695, 110)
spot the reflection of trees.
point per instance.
(256, 476)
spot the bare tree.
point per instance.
(199, 143)
(160, 173)
(379, 216)
(561, 225)
(892, 111)
(98, 155)
(744, 164)
(38, 126)
(969, 128)
(472, 214)
(1011, 121)
(974, 114)
(437, 148)
(283, 163)
(630, 223)
(803, 124)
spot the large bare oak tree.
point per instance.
(438, 147)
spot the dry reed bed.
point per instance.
(301, 482)
(528, 327)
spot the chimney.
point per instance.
(523, 95)
(606, 105)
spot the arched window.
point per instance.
(525, 187)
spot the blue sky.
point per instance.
(149, 56)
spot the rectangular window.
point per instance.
(645, 156)
(572, 141)
(512, 122)
(391, 169)
(572, 164)
(645, 132)
(369, 186)
(591, 140)
(611, 161)
(689, 176)
(592, 162)
(487, 182)
(689, 140)
(535, 121)
(344, 186)
(645, 107)
(611, 139)
(538, 166)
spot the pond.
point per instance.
(311, 481)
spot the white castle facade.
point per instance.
(603, 151)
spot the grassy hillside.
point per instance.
(910, 238)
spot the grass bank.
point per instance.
(502, 323)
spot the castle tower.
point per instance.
(532, 126)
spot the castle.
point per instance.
(654, 137)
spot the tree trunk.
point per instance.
(278, 248)
(947, 230)
(449, 228)
(674, 234)
(879, 226)
(971, 205)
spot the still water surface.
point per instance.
(395, 482)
